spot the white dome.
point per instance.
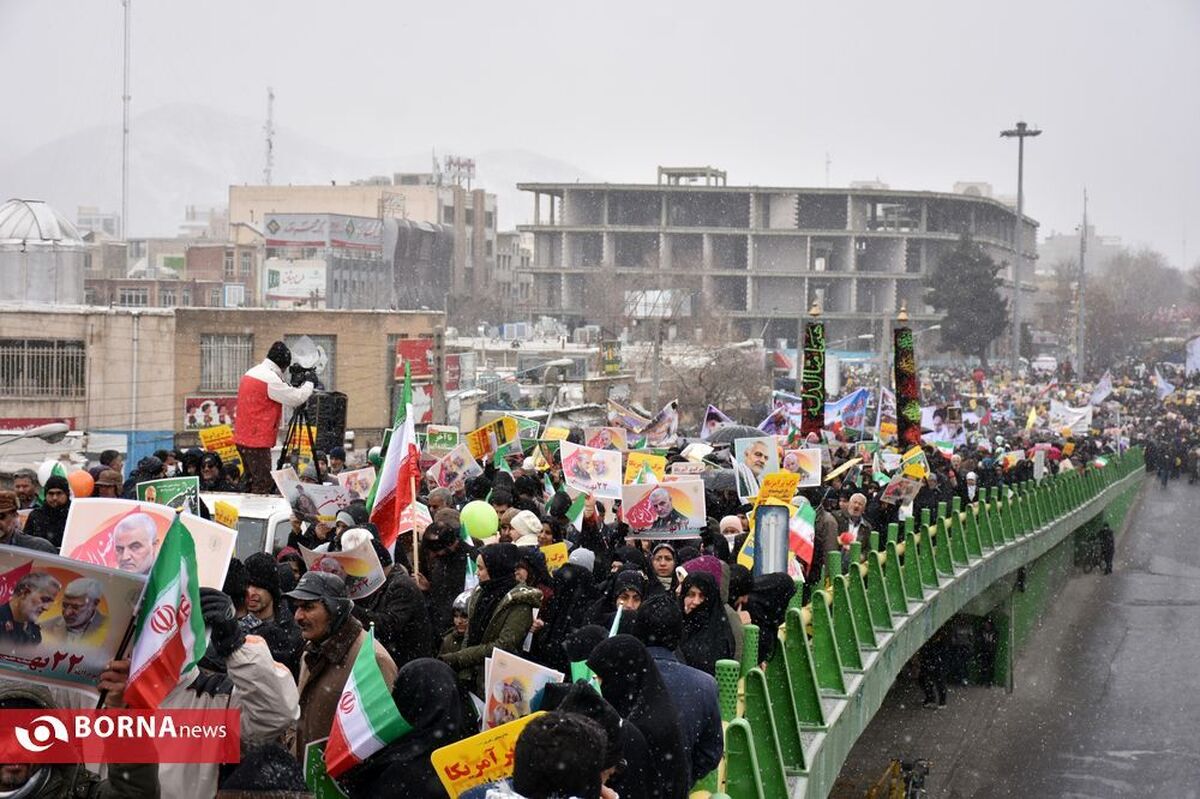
(34, 220)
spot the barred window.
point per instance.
(41, 368)
(223, 361)
(133, 297)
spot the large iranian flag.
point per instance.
(169, 636)
(367, 719)
(401, 469)
(801, 531)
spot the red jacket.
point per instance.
(262, 393)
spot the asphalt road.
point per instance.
(1106, 699)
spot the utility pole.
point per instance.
(1081, 327)
(269, 129)
(1020, 133)
(125, 132)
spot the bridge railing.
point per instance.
(789, 728)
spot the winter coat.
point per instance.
(73, 780)
(397, 609)
(48, 523)
(263, 690)
(26, 541)
(324, 669)
(262, 393)
(505, 630)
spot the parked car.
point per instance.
(1045, 364)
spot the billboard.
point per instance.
(323, 230)
(289, 280)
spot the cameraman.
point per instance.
(262, 393)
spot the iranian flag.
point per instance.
(575, 512)
(401, 467)
(367, 719)
(945, 448)
(801, 531)
(169, 636)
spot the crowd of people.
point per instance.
(637, 625)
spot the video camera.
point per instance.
(298, 375)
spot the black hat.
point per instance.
(659, 622)
(316, 585)
(280, 355)
(59, 482)
(261, 573)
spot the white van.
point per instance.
(264, 522)
(1045, 364)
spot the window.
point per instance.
(166, 297)
(223, 360)
(489, 220)
(487, 248)
(133, 297)
(247, 261)
(186, 297)
(89, 295)
(447, 215)
(50, 369)
(235, 295)
(214, 297)
(229, 272)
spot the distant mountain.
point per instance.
(190, 154)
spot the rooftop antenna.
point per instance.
(125, 130)
(269, 129)
(827, 164)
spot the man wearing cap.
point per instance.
(323, 611)
(10, 527)
(50, 520)
(397, 608)
(262, 393)
(270, 620)
(337, 460)
(108, 484)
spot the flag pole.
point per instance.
(125, 639)
(412, 492)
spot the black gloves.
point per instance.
(217, 608)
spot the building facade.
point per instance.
(325, 261)
(749, 260)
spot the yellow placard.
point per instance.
(778, 485)
(225, 513)
(480, 759)
(633, 467)
(219, 439)
(555, 434)
(914, 464)
(845, 467)
(483, 441)
(1068, 448)
(556, 555)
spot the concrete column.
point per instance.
(604, 212)
(664, 251)
(751, 260)
(537, 207)
(706, 251)
(749, 293)
(924, 216)
(606, 239)
(662, 215)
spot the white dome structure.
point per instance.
(42, 256)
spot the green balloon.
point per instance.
(479, 519)
(374, 458)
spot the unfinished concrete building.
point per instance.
(750, 259)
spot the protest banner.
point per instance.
(514, 688)
(714, 420)
(900, 491)
(482, 758)
(357, 482)
(359, 568)
(202, 412)
(605, 438)
(225, 514)
(440, 440)
(621, 416)
(62, 621)
(753, 459)
(316, 777)
(687, 468)
(527, 428)
(555, 434)
(696, 451)
(914, 463)
(908, 401)
(664, 510)
(556, 555)
(312, 502)
(780, 485)
(639, 461)
(845, 467)
(415, 516)
(885, 418)
(455, 468)
(661, 430)
(1073, 421)
(812, 379)
(174, 492)
(219, 439)
(483, 441)
(806, 463)
(1039, 465)
(592, 471)
(124, 534)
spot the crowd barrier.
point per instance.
(788, 729)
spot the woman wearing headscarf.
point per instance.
(625, 755)
(707, 636)
(663, 562)
(427, 697)
(565, 612)
(531, 571)
(631, 683)
(500, 612)
(212, 474)
(442, 572)
(626, 591)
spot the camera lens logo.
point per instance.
(45, 731)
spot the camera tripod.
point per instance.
(299, 425)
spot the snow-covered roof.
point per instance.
(35, 220)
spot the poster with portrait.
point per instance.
(592, 471)
(483, 441)
(514, 688)
(359, 568)
(357, 482)
(202, 412)
(641, 462)
(753, 459)
(455, 468)
(61, 621)
(312, 502)
(900, 491)
(605, 438)
(174, 492)
(806, 463)
(124, 534)
(664, 510)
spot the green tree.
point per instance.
(965, 283)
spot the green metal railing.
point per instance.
(788, 729)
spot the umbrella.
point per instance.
(719, 480)
(730, 432)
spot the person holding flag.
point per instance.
(396, 487)
(333, 638)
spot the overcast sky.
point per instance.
(912, 93)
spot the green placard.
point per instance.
(318, 781)
(174, 492)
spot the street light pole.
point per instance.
(1081, 333)
(1020, 133)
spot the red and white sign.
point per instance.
(120, 736)
(419, 354)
